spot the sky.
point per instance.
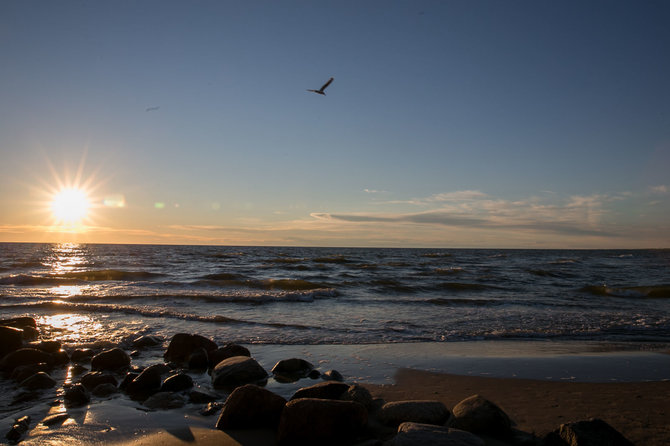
(483, 124)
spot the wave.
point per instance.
(28, 280)
(233, 280)
(652, 292)
(460, 286)
(452, 301)
(553, 274)
(109, 275)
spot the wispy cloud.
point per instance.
(661, 189)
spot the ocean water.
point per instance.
(81, 294)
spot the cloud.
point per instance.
(374, 191)
(661, 189)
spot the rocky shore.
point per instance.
(326, 410)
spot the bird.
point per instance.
(149, 109)
(323, 87)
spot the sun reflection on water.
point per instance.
(71, 328)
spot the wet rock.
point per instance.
(237, 371)
(164, 401)
(19, 428)
(46, 346)
(593, 432)
(82, 355)
(30, 333)
(147, 341)
(104, 390)
(359, 394)
(177, 383)
(211, 408)
(60, 357)
(198, 397)
(416, 434)
(332, 375)
(289, 370)
(11, 339)
(314, 374)
(426, 412)
(325, 390)
(39, 380)
(19, 322)
(182, 345)
(22, 372)
(250, 407)
(112, 359)
(318, 421)
(146, 383)
(225, 352)
(58, 418)
(198, 360)
(130, 376)
(478, 415)
(93, 379)
(24, 356)
(76, 396)
(77, 370)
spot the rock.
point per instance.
(198, 397)
(112, 359)
(82, 355)
(24, 356)
(11, 339)
(211, 408)
(325, 390)
(19, 428)
(76, 396)
(22, 372)
(332, 375)
(93, 379)
(314, 374)
(359, 394)
(30, 333)
(250, 407)
(146, 341)
(176, 383)
(39, 380)
(19, 322)
(130, 376)
(164, 401)
(290, 370)
(77, 370)
(54, 419)
(416, 434)
(426, 412)
(46, 346)
(318, 421)
(225, 352)
(182, 345)
(146, 383)
(104, 390)
(593, 432)
(237, 371)
(198, 360)
(478, 415)
(60, 357)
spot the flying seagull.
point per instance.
(152, 109)
(323, 87)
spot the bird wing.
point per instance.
(327, 83)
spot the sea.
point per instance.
(81, 293)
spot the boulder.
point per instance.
(39, 380)
(426, 412)
(176, 383)
(11, 339)
(104, 390)
(316, 421)
(211, 408)
(416, 434)
(182, 345)
(478, 415)
(225, 352)
(146, 383)
(22, 372)
(324, 390)
(46, 346)
(19, 428)
(76, 396)
(593, 432)
(332, 375)
(30, 333)
(164, 401)
(82, 355)
(250, 407)
(146, 341)
(19, 322)
(237, 371)
(198, 360)
(290, 370)
(112, 359)
(91, 380)
(60, 357)
(24, 356)
(130, 376)
(359, 394)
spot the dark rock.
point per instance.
(130, 376)
(250, 407)
(291, 369)
(314, 374)
(211, 408)
(478, 415)
(60, 357)
(332, 375)
(316, 421)
(147, 341)
(325, 390)
(76, 396)
(359, 394)
(19, 322)
(182, 345)
(164, 401)
(77, 370)
(425, 412)
(93, 379)
(104, 390)
(82, 355)
(198, 397)
(146, 383)
(416, 434)
(19, 428)
(113, 359)
(593, 432)
(177, 383)
(225, 352)
(54, 419)
(237, 371)
(30, 333)
(39, 380)
(22, 372)
(46, 346)
(24, 356)
(198, 360)
(11, 339)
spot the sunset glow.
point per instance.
(70, 206)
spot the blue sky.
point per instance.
(449, 124)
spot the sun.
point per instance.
(70, 205)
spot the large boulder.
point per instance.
(11, 339)
(177, 383)
(426, 412)
(148, 382)
(24, 356)
(416, 434)
(359, 394)
(478, 415)
(19, 322)
(330, 390)
(182, 345)
(593, 432)
(225, 352)
(82, 355)
(198, 360)
(39, 380)
(46, 346)
(76, 396)
(237, 371)
(289, 370)
(24, 371)
(251, 407)
(164, 401)
(112, 359)
(91, 380)
(308, 421)
(146, 341)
